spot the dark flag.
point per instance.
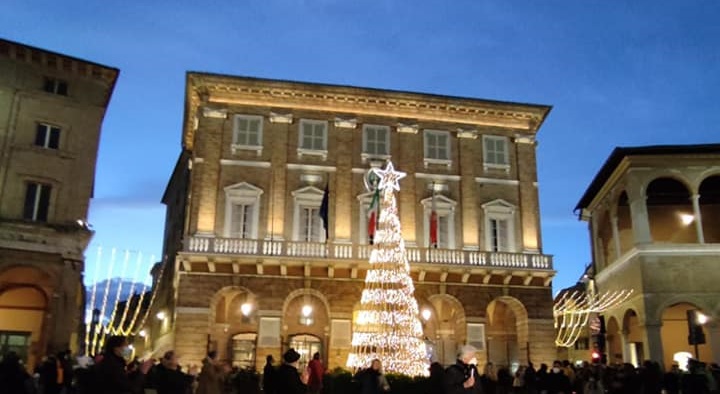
(325, 210)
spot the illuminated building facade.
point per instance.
(653, 216)
(51, 111)
(249, 269)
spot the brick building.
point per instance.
(653, 216)
(51, 111)
(248, 270)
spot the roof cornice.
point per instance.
(232, 90)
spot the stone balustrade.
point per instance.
(344, 251)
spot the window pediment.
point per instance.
(499, 206)
(243, 189)
(442, 203)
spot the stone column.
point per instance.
(624, 346)
(698, 218)
(713, 331)
(208, 149)
(653, 341)
(616, 235)
(639, 215)
(529, 202)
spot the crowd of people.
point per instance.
(566, 378)
(111, 374)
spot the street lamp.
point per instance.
(426, 313)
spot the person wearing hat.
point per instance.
(287, 378)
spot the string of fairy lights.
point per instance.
(125, 317)
(572, 311)
(387, 326)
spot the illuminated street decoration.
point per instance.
(110, 318)
(387, 325)
(573, 309)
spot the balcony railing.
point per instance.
(235, 246)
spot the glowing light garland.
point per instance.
(95, 333)
(387, 326)
(572, 311)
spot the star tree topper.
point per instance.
(389, 177)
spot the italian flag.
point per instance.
(372, 222)
(433, 222)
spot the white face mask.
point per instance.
(473, 361)
(126, 353)
(556, 370)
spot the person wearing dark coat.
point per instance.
(557, 381)
(269, 375)
(14, 379)
(436, 382)
(167, 378)
(461, 377)
(287, 378)
(109, 374)
(372, 380)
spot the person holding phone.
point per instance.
(460, 377)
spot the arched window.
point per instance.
(242, 210)
(445, 209)
(499, 226)
(307, 224)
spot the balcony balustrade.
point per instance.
(341, 251)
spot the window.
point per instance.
(47, 136)
(437, 147)
(241, 223)
(243, 350)
(499, 235)
(313, 138)
(55, 86)
(445, 209)
(495, 152)
(13, 341)
(307, 224)
(376, 141)
(310, 224)
(247, 133)
(37, 202)
(499, 226)
(242, 207)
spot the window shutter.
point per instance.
(54, 142)
(41, 135)
(30, 197)
(43, 203)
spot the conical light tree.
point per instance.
(387, 325)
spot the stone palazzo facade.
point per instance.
(51, 111)
(249, 269)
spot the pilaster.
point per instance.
(469, 217)
(209, 148)
(653, 341)
(639, 215)
(278, 131)
(528, 193)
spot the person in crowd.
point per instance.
(211, 379)
(14, 379)
(504, 381)
(461, 376)
(696, 380)
(168, 378)
(518, 384)
(488, 380)
(287, 379)
(594, 382)
(557, 381)
(268, 379)
(542, 378)
(437, 379)
(671, 380)
(372, 380)
(51, 375)
(530, 379)
(316, 372)
(109, 374)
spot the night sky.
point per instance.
(616, 73)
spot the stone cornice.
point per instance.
(230, 90)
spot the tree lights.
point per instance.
(387, 325)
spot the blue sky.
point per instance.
(617, 74)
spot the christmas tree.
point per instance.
(387, 326)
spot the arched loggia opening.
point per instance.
(613, 344)
(624, 224)
(710, 208)
(670, 212)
